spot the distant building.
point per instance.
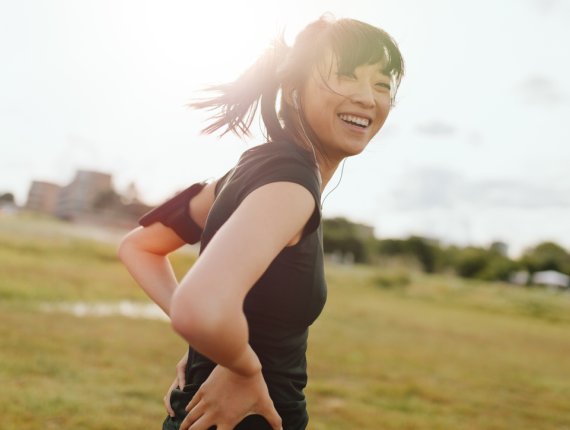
(551, 278)
(89, 199)
(79, 196)
(43, 197)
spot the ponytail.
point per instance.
(235, 104)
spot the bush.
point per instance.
(390, 280)
(471, 261)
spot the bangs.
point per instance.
(356, 43)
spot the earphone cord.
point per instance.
(337, 184)
(305, 133)
(315, 156)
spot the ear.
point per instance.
(291, 96)
(295, 96)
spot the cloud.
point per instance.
(435, 128)
(545, 6)
(541, 90)
(442, 129)
(445, 189)
(513, 194)
(427, 189)
(474, 138)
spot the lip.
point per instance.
(360, 115)
(354, 128)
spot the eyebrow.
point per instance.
(381, 74)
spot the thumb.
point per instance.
(271, 415)
(181, 376)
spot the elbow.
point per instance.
(180, 321)
(129, 246)
(184, 320)
(194, 320)
(124, 249)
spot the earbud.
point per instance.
(295, 96)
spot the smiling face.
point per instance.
(345, 110)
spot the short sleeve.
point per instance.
(174, 213)
(285, 168)
(222, 181)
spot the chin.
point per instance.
(352, 152)
(357, 149)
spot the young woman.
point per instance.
(246, 304)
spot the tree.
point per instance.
(546, 256)
(131, 194)
(425, 250)
(7, 198)
(108, 200)
(498, 268)
(486, 264)
(391, 247)
(471, 261)
(341, 235)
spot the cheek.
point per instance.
(318, 121)
(384, 106)
(384, 101)
(319, 114)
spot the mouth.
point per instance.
(356, 120)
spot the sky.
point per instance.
(476, 150)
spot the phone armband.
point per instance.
(175, 214)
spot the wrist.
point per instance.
(247, 364)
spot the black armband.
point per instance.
(175, 213)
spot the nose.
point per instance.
(363, 94)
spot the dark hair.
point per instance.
(283, 68)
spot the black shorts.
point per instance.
(179, 399)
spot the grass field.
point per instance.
(438, 353)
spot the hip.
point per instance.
(293, 414)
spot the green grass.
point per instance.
(392, 350)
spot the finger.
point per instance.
(167, 405)
(203, 423)
(166, 400)
(194, 401)
(186, 422)
(194, 414)
(272, 416)
(181, 376)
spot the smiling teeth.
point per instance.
(363, 122)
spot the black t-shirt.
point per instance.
(288, 296)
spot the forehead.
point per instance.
(330, 65)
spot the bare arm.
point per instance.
(206, 309)
(144, 251)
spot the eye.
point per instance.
(348, 75)
(384, 85)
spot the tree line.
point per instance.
(342, 237)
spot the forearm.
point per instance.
(219, 333)
(152, 272)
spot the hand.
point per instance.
(226, 398)
(179, 382)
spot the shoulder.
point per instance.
(279, 162)
(269, 172)
(281, 148)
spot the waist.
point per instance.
(293, 413)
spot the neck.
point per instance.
(326, 169)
